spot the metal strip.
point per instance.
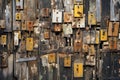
(98, 10)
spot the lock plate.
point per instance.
(57, 27)
(47, 34)
(77, 45)
(56, 16)
(113, 29)
(78, 69)
(3, 39)
(103, 35)
(91, 50)
(67, 61)
(18, 16)
(29, 25)
(67, 17)
(19, 4)
(2, 24)
(29, 44)
(67, 29)
(45, 12)
(78, 11)
(91, 19)
(51, 58)
(16, 40)
(23, 25)
(112, 42)
(97, 38)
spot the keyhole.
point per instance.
(103, 32)
(77, 68)
(57, 19)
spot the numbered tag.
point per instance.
(91, 19)
(67, 61)
(45, 12)
(78, 1)
(78, 70)
(3, 39)
(51, 58)
(16, 40)
(18, 16)
(78, 11)
(19, 4)
(113, 43)
(30, 25)
(56, 16)
(67, 29)
(113, 29)
(67, 17)
(2, 24)
(29, 44)
(103, 35)
(23, 25)
(57, 27)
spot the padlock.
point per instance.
(23, 25)
(57, 27)
(112, 43)
(19, 4)
(77, 45)
(113, 29)
(2, 24)
(67, 61)
(51, 58)
(103, 35)
(78, 70)
(3, 39)
(91, 18)
(78, 1)
(45, 12)
(78, 11)
(56, 16)
(29, 44)
(18, 16)
(67, 17)
(29, 25)
(47, 34)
